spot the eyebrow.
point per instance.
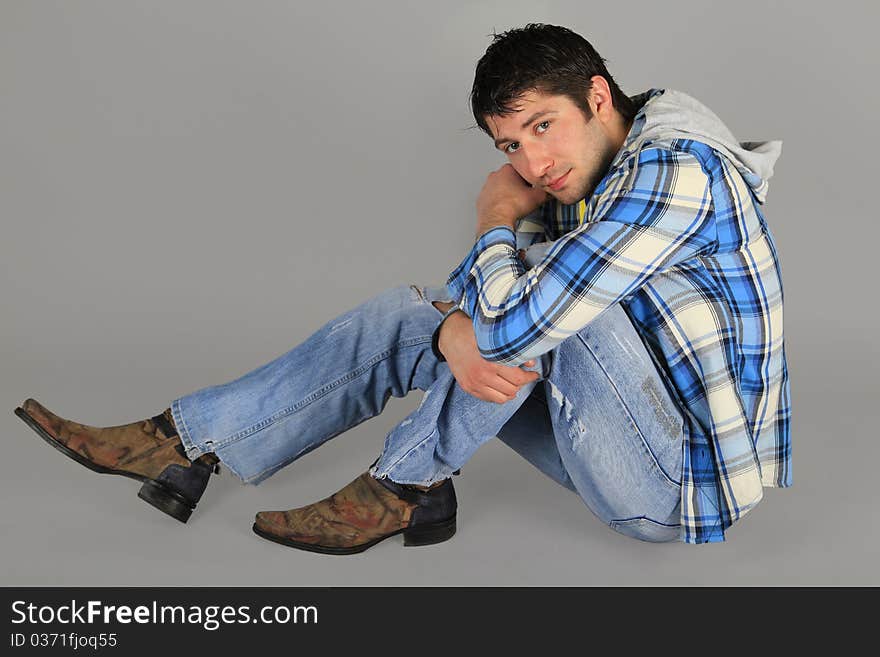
(534, 117)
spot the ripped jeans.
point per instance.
(599, 421)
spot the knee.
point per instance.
(657, 526)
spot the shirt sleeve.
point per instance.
(647, 218)
(530, 237)
(531, 229)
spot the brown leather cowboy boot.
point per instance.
(149, 451)
(364, 512)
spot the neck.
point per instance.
(618, 130)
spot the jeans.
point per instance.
(599, 420)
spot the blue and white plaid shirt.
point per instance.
(675, 235)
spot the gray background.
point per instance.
(189, 188)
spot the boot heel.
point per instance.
(436, 532)
(163, 500)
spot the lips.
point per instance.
(559, 183)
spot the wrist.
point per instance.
(494, 234)
(452, 322)
(438, 341)
(487, 222)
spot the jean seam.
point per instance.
(656, 522)
(185, 435)
(403, 457)
(629, 415)
(321, 392)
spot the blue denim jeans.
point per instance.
(599, 421)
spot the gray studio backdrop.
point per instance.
(189, 188)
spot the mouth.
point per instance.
(559, 183)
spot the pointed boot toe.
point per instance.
(362, 514)
(149, 451)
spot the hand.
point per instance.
(506, 197)
(475, 375)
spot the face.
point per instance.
(552, 145)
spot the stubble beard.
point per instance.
(597, 173)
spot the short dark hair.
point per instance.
(544, 58)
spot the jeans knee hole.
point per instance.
(420, 294)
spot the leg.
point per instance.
(424, 449)
(444, 431)
(623, 469)
(618, 430)
(610, 432)
(337, 378)
(530, 434)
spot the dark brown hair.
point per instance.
(544, 58)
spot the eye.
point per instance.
(512, 147)
(542, 127)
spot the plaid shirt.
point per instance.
(674, 234)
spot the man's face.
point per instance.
(552, 145)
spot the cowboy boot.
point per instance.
(149, 451)
(364, 512)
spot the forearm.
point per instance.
(638, 231)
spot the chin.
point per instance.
(567, 198)
(572, 193)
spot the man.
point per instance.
(618, 322)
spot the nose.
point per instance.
(538, 161)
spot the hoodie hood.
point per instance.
(666, 114)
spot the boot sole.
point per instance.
(152, 491)
(427, 534)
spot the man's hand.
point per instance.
(506, 197)
(475, 375)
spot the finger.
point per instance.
(491, 395)
(518, 376)
(503, 386)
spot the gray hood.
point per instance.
(666, 114)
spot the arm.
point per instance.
(475, 375)
(454, 340)
(662, 219)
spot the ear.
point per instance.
(600, 99)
